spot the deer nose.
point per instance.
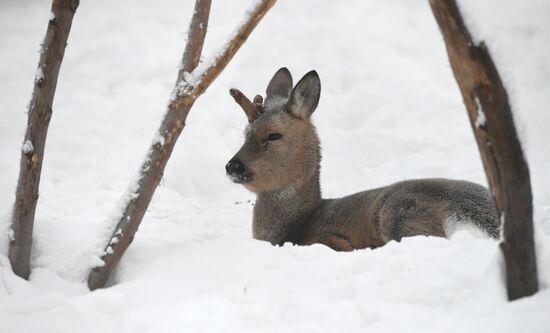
(235, 167)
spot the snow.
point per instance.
(480, 120)
(183, 86)
(112, 221)
(158, 139)
(11, 235)
(188, 77)
(389, 110)
(27, 147)
(39, 75)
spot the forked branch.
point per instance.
(193, 80)
(39, 115)
(491, 119)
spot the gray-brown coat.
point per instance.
(280, 160)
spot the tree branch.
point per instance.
(491, 119)
(196, 35)
(32, 151)
(187, 89)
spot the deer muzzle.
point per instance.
(238, 172)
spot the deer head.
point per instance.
(281, 147)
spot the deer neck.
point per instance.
(280, 215)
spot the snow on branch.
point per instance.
(193, 79)
(195, 82)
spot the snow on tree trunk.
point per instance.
(193, 80)
(491, 119)
(32, 151)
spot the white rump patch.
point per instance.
(454, 224)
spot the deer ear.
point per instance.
(279, 86)
(305, 96)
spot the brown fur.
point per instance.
(280, 159)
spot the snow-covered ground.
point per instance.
(389, 110)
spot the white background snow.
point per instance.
(390, 109)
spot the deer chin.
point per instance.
(244, 178)
(256, 185)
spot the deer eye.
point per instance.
(274, 136)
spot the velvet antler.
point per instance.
(252, 109)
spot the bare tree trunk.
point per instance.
(188, 88)
(491, 119)
(32, 152)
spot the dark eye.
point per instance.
(274, 136)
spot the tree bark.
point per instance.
(491, 119)
(188, 87)
(39, 115)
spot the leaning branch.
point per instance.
(491, 119)
(192, 81)
(32, 151)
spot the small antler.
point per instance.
(252, 109)
(258, 103)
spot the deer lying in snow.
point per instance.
(279, 161)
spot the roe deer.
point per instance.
(279, 161)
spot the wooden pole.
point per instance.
(32, 151)
(491, 119)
